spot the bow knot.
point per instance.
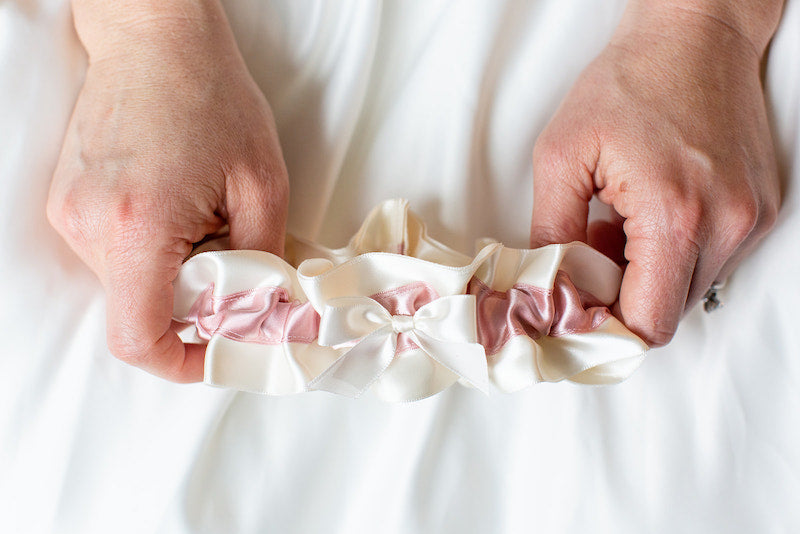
(444, 328)
(402, 323)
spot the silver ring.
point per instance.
(711, 299)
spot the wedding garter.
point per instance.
(401, 316)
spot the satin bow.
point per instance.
(444, 328)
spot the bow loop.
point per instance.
(347, 319)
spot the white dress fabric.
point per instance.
(438, 102)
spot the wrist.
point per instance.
(741, 24)
(141, 28)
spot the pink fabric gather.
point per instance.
(268, 316)
(534, 311)
(262, 315)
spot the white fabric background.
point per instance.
(440, 102)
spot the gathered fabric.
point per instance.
(399, 315)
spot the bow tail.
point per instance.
(467, 360)
(355, 370)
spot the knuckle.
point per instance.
(70, 215)
(743, 219)
(267, 180)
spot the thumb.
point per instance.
(562, 189)
(257, 207)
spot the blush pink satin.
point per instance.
(266, 315)
(534, 311)
(407, 299)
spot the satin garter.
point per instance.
(401, 316)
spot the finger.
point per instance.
(741, 225)
(764, 223)
(257, 207)
(656, 281)
(139, 297)
(562, 189)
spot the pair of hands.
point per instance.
(171, 138)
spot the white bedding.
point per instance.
(439, 102)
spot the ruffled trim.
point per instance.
(401, 316)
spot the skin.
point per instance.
(170, 139)
(668, 126)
